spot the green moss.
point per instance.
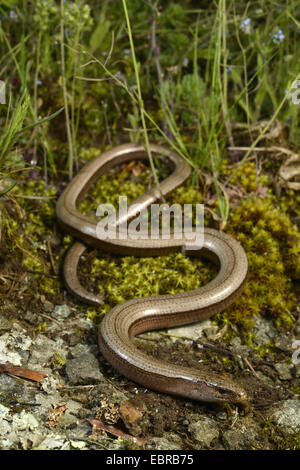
(27, 237)
(129, 277)
(290, 442)
(295, 389)
(263, 349)
(41, 327)
(272, 244)
(290, 202)
(247, 177)
(59, 360)
(227, 362)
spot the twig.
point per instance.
(250, 367)
(51, 257)
(41, 273)
(48, 318)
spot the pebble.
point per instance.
(61, 312)
(286, 415)
(284, 370)
(244, 434)
(170, 441)
(239, 348)
(193, 331)
(284, 343)
(48, 306)
(84, 370)
(80, 349)
(263, 330)
(5, 325)
(204, 431)
(51, 442)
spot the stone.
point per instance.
(78, 445)
(245, 434)
(61, 312)
(48, 306)
(80, 349)
(5, 325)
(284, 343)
(193, 331)
(232, 439)
(211, 331)
(32, 318)
(84, 370)
(52, 441)
(263, 330)
(239, 348)
(204, 431)
(170, 441)
(286, 415)
(284, 370)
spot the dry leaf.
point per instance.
(114, 431)
(22, 372)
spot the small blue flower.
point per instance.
(246, 25)
(278, 37)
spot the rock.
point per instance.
(15, 427)
(32, 318)
(44, 349)
(284, 343)
(47, 401)
(170, 441)
(50, 385)
(84, 370)
(239, 348)
(78, 445)
(68, 421)
(264, 330)
(284, 370)
(286, 415)
(193, 331)
(48, 306)
(4, 411)
(24, 421)
(204, 431)
(80, 349)
(232, 439)
(222, 415)
(245, 434)
(264, 378)
(211, 331)
(52, 441)
(297, 329)
(8, 344)
(61, 312)
(74, 406)
(5, 325)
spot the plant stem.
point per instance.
(65, 95)
(140, 98)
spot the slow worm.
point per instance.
(126, 320)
